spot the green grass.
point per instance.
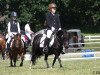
(85, 67)
(92, 34)
(79, 67)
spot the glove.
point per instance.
(52, 28)
(59, 29)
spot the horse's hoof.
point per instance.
(30, 67)
(52, 66)
(61, 66)
(11, 65)
(14, 65)
(21, 65)
(48, 67)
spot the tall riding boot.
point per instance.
(8, 47)
(25, 48)
(46, 45)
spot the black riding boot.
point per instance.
(46, 45)
(8, 47)
(25, 47)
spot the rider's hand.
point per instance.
(52, 28)
(59, 29)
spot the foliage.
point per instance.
(80, 14)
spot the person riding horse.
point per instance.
(12, 29)
(52, 24)
(28, 32)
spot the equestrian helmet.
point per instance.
(13, 14)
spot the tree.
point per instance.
(81, 14)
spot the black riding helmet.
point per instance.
(13, 14)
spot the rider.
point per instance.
(52, 23)
(28, 31)
(13, 28)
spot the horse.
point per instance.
(75, 40)
(16, 48)
(2, 46)
(60, 40)
(26, 40)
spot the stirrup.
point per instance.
(62, 52)
(45, 49)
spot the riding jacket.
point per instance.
(13, 27)
(52, 20)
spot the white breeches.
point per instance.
(9, 36)
(49, 33)
(42, 40)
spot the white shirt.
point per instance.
(27, 28)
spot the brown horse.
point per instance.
(75, 40)
(17, 48)
(2, 46)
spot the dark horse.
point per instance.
(60, 40)
(2, 46)
(17, 48)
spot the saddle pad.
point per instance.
(43, 39)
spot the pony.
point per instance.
(2, 46)
(16, 48)
(60, 40)
(75, 40)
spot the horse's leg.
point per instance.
(33, 60)
(31, 64)
(60, 61)
(46, 58)
(11, 63)
(56, 56)
(3, 55)
(22, 58)
(15, 58)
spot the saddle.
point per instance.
(42, 40)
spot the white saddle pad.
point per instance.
(43, 39)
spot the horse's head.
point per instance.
(17, 41)
(63, 38)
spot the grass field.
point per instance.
(80, 67)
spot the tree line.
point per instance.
(80, 14)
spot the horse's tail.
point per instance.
(33, 58)
(36, 50)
